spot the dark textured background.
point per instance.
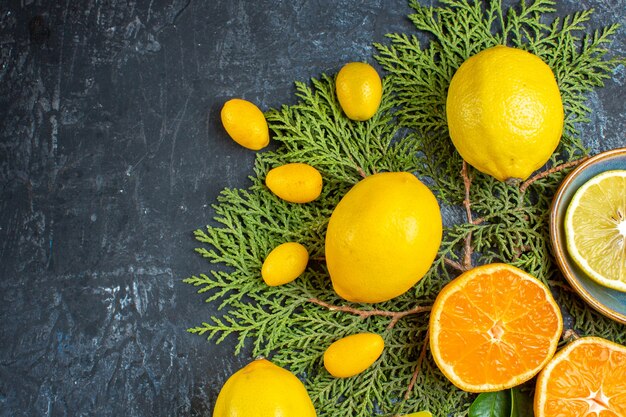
(111, 152)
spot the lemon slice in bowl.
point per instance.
(595, 228)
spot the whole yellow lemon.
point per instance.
(245, 123)
(505, 114)
(353, 354)
(295, 182)
(359, 90)
(262, 389)
(382, 237)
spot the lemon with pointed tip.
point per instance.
(504, 112)
(262, 389)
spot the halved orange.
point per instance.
(585, 378)
(493, 327)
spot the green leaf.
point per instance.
(491, 404)
(521, 404)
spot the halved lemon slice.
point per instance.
(595, 228)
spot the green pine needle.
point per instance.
(290, 324)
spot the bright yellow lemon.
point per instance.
(504, 111)
(382, 237)
(262, 389)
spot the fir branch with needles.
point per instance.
(490, 221)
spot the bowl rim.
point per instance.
(558, 251)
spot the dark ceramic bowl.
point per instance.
(611, 303)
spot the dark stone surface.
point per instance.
(111, 152)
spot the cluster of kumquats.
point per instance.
(493, 327)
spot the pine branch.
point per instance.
(395, 315)
(418, 366)
(524, 186)
(467, 250)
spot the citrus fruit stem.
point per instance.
(513, 182)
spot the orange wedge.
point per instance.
(585, 378)
(493, 327)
